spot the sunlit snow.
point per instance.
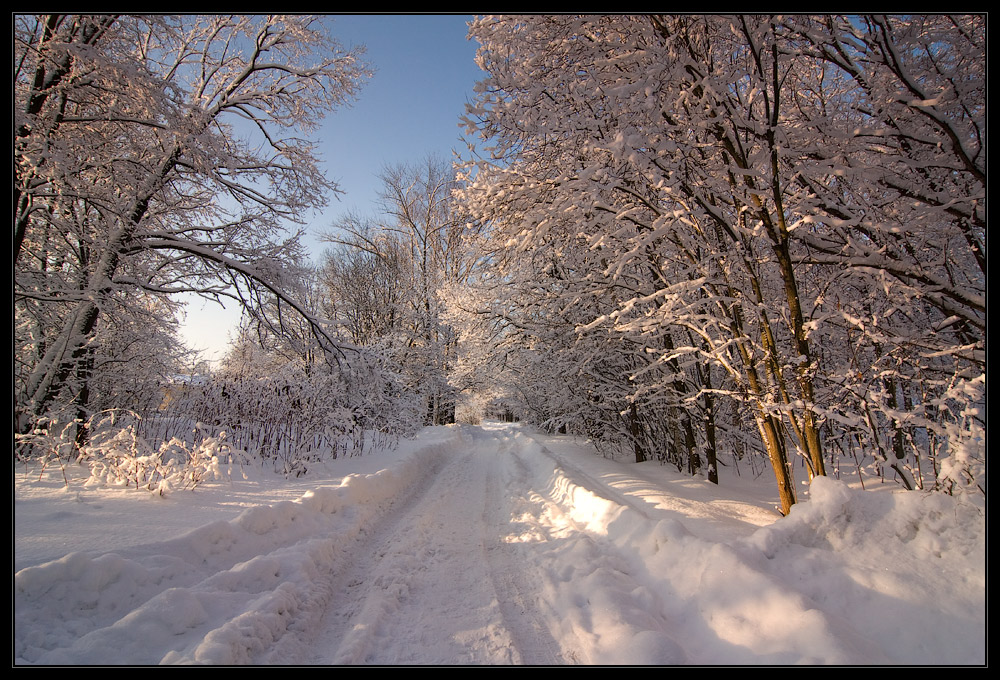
(494, 545)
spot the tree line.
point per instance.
(156, 155)
(719, 231)
(695, 238)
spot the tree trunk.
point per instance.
(635, 431)
(62, 357)
(771, 434)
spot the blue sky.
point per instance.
(424, 74)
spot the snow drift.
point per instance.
(612, 563)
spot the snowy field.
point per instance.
(494, 545)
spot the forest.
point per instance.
(696, 239)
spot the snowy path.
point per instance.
(438, 557)
(492, 545)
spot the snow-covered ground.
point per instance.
(495, 545)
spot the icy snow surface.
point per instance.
(494, 545)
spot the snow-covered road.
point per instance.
(494, 545)
(436, 580)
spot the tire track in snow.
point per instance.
(226, 611)
(425, 565)
(515, 585)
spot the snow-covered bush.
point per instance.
(52, 442)
(287, 413)
(117, 456)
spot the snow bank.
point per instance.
(215, 595)
(906, 569)
(849, 577)
(616, 564)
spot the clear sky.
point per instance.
(424, 74)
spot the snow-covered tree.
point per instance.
(705, 206)
(156, 155)
(386, 277)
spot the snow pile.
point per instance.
(906, 570)
(496, 545)
(849, 577)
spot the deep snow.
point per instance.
(494, 545)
